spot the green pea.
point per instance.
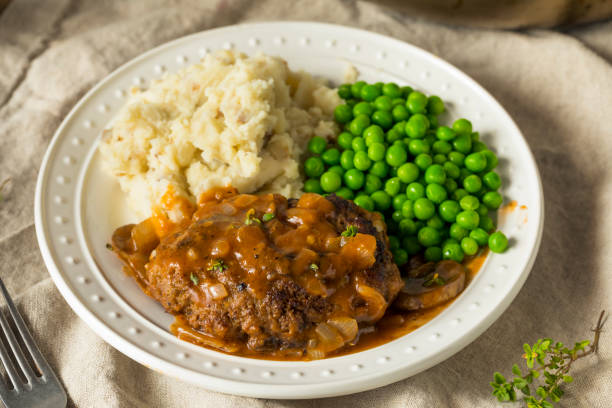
(453, 252)
(343, 113)
(330, 181)
(380, 169)
(406, 90)
(372, 184)
(428, 236)
(462, 143)
(418, 146)
(435, 105)
(398, 201)
(314, 167)
(435, 222)
(435, 174)
(433, 121)
(383, 118)
(423, 161)
(345, 193)
(439, 158)
(376, 151)
(498, 242)
(482, 210)
(359, 124)
(344, 91)
(313, 186)
(392, 136)
(344, 140)
(408, 172)
(480, 236)
(317, 145)
(399, 113)
(363, 108)
(407, 227)
(445, 133)
(451, 170)
(492, 180)
(400, 256)
(457, 232)
(456, 158)
(356, 89)
(391, 90)
(459, 193)
(354, 179)
(331, 156)
(472, 183)
(396, 156)
(433, 254)
(398, 101)
(358, 144)
(417, 126)
(393, 186)
(351, 102)
(407, 209)
(475, 137)
(450, 184)
(369, 92)
(448, 210)
(436, 193)
(492, 200)
(468, 219)
(469, 202)
(486, 223)
(361, 161)
(373, 134)
(394, 242)
(416, 102)
(397, 216)
(346, 159)
(383, 103)
(415, 190)
(337, 169)
(475, 162)
(463, 127)
(478, 146)
(442, 146)
(399, 126)
(492, 160)
(364, 202)
(463, 174)
(469, 246)
(424, 209)
(382, 200)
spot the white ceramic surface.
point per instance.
(78, 206)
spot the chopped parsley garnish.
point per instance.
(268, 216)
(435, 279)
(250, 219)
(194, 278)
(314, 267)
(350, 231)
(218, 266)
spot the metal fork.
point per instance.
(41, 388)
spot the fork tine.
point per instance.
(16, 348)
(10, 368)
(38, 358)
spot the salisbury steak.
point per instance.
(266, 275)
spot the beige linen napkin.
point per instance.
(557, 86)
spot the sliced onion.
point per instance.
(376, 302)
(347, 326)
(315, 353)
(329, 336)
(217, 291)
(144, 237)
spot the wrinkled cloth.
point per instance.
(556, 85)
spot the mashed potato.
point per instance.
(230, 119)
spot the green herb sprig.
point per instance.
(350, 231)
(434, 279)
(552, 361)
(250, 218)
(194, 278)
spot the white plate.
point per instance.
(77, 207)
